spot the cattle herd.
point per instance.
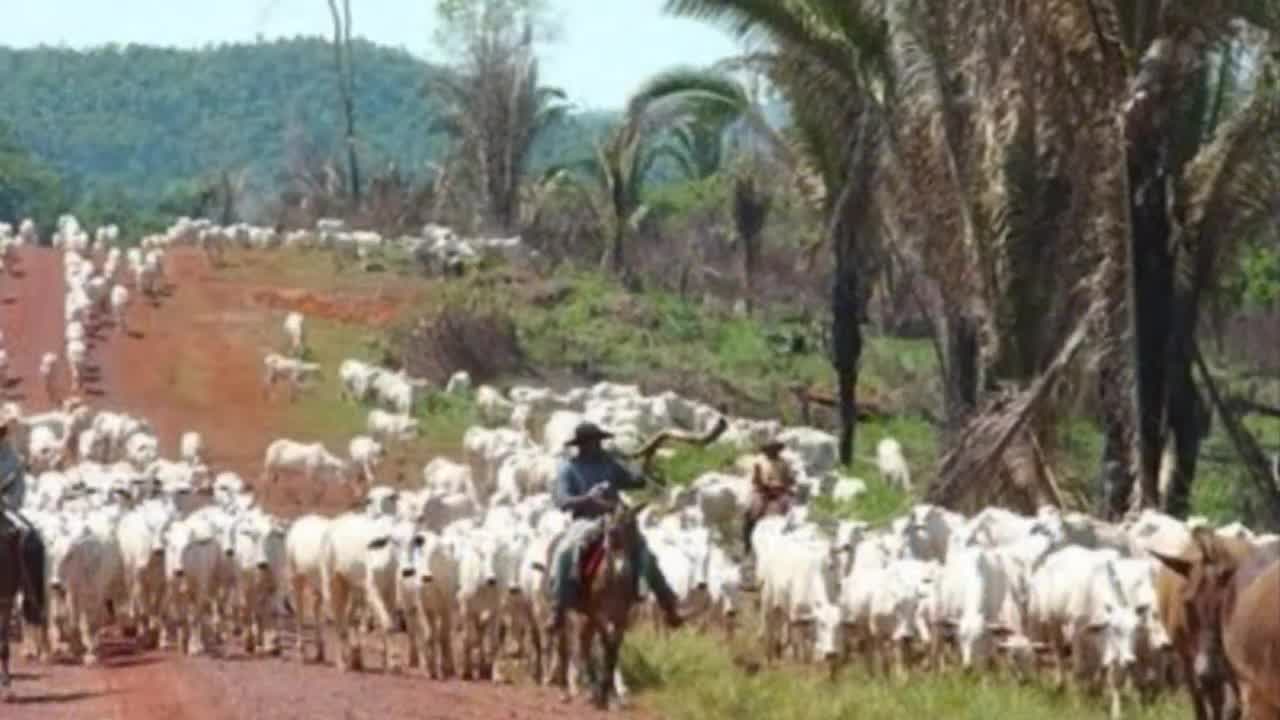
(187, 558)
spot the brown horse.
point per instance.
(21, 571)
(603, 608)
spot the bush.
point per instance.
(482, 342)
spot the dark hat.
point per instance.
(586, 432)
(772, 446)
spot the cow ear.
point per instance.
(1174, 564)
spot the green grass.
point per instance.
(693, 677)
(663, 341)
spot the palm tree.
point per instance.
(827, 58)
(1174, 263)
(710, 104)
(496, 109)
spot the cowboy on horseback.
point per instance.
(587, 487)
(13, 488)
(773, 484)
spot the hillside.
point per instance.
(136, 120)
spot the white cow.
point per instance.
(304, 559)
(798, 600)
(976, 606)
(487, 572)
(256, 544)
(48, 374)
(119, 304)
(366, 455)
(193, 565)
(86, 573)
(141, 536)
(430, 592)
(1078, 601)
(292, 371)
(293, 331)
(191, 448)
(357, 378)
(390, 427)
(893, 465)
(309, 459)
(358, 572)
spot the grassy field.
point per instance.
(691, 677)
(663, 341)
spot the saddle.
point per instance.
(590, 560)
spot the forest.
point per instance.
(143, 126)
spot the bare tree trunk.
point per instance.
(1189, 421)
(846, 340)
(961, 347)
(346, 88)
(1151, 298)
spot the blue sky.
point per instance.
(605, 47)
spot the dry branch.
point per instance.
(969, 467)
(1254, 459)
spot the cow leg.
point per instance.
(318, 620)
(535, 635)
(448, 666)
(87, 637)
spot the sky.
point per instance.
(604, 48)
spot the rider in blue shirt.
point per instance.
(587, 488)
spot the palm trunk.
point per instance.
(1189, 423)
(1151, 303)
(1117, 438)
(846, 337)
(961, 347)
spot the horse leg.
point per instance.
(6, 616)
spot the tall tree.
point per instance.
(1175, 177)
(496, 104)
(710, 104)
(828, 59)
(344, 72)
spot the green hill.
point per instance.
(132, 121)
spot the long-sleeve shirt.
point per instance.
(11, 473)
(577, 476)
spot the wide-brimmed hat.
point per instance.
(587, 432)
(772, 445)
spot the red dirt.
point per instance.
(355, 310)
(195, 365)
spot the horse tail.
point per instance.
(34, 601)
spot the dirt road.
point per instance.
(190, 365)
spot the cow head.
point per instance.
(1117, 632)
(1205, 595)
